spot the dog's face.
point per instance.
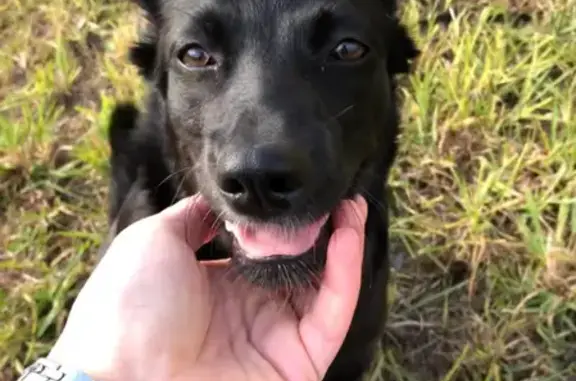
(277, 108)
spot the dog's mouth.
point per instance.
(280, 257)
(287, 252)
(262, 242)
(294, 243)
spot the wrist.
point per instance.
(100, 361)
(85, 362)
(45, 369)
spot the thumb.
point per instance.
(323, 329)
(190, 219)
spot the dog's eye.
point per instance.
(194, 56)
(349, 50)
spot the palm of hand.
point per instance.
(253, 335)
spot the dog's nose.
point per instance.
(262, 180)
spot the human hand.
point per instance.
(151, 311)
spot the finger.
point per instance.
(351, 214)
(192, 219)
(362, 205)
(323, 330)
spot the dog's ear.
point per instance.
(402, 50)
(123, 120)
(143, 53)
(151, 7)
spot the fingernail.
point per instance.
(361, 203)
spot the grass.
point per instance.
(484, 190)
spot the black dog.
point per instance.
(275, 110)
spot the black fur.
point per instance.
(272, 84)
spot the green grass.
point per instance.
(484, 226)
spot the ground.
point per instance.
(484, 190)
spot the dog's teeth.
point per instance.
(229, 226)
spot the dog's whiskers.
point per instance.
(180, 184)
(343, 111)
(171, 176)
(370, 173)
(217, 221)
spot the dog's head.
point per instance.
(277, 109)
